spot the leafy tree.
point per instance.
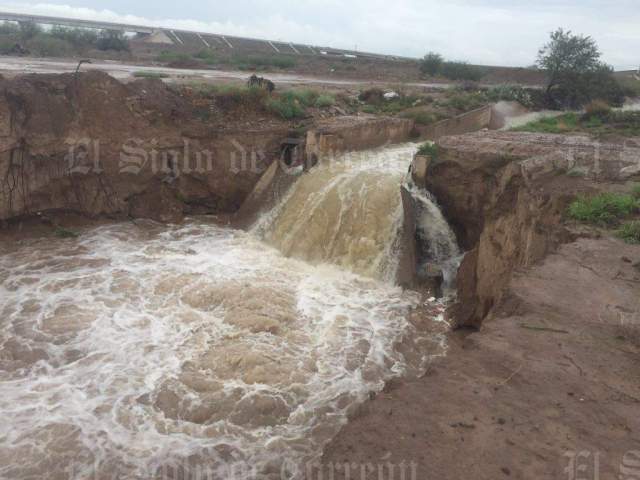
(431, 63)
(576, 75)
(112, 40)
(29, 30)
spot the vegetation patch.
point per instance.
(605, 209)
(630, 232)
(428, 149)
(422, 117)
(286, 108)
(512, 93)
(598, 121)
(434, 64)
(325, 101)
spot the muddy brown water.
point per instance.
(197, 351)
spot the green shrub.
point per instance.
(253, 61)
(9, 28)
(561, 124)
(603, 209)
(461, 71)
(421, 117)
(7, 46)
(465, 102)
(207, 56)
(305, 97)
(431, 64)
(369, 109)
(511, 93)
(630, 232)
(112, 40)
(325, 101)
(635, 191)
(286, 107)
(29, 30)
(428, 149)
(78, 37)
(233, 96)
(48, 46)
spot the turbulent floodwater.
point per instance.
(196, 351)
(346, 212)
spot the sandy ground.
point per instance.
(122, 71)
(549, 389)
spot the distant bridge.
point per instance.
(196, 39)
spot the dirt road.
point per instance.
(23, 65)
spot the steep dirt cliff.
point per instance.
(93, 145)
(506, 195)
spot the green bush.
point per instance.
(421, 117)
(461, 71)
(465, 102)
(630, 232)
(428, 149)
(112, 40)
(7, 46)
(305, 97)
(511, 93)
(603, 209)
(78, 37)
(561, 124)
(29, 30)
(9, 28)
(253, 61)
(286, 107)
(431, 64)
(635, 191)
(325, 101)
(208, 57)
(47, 46)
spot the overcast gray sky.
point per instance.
(490, 32)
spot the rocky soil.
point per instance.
(549, 386)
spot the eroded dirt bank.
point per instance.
(549, 384)
(90, 145)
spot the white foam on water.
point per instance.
(196, 351)
(136, 348)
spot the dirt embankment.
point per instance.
(506, 195)
(548, 387)
(93, 146)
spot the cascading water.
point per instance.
(347, 212)
(196, 351)
(437, 246)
